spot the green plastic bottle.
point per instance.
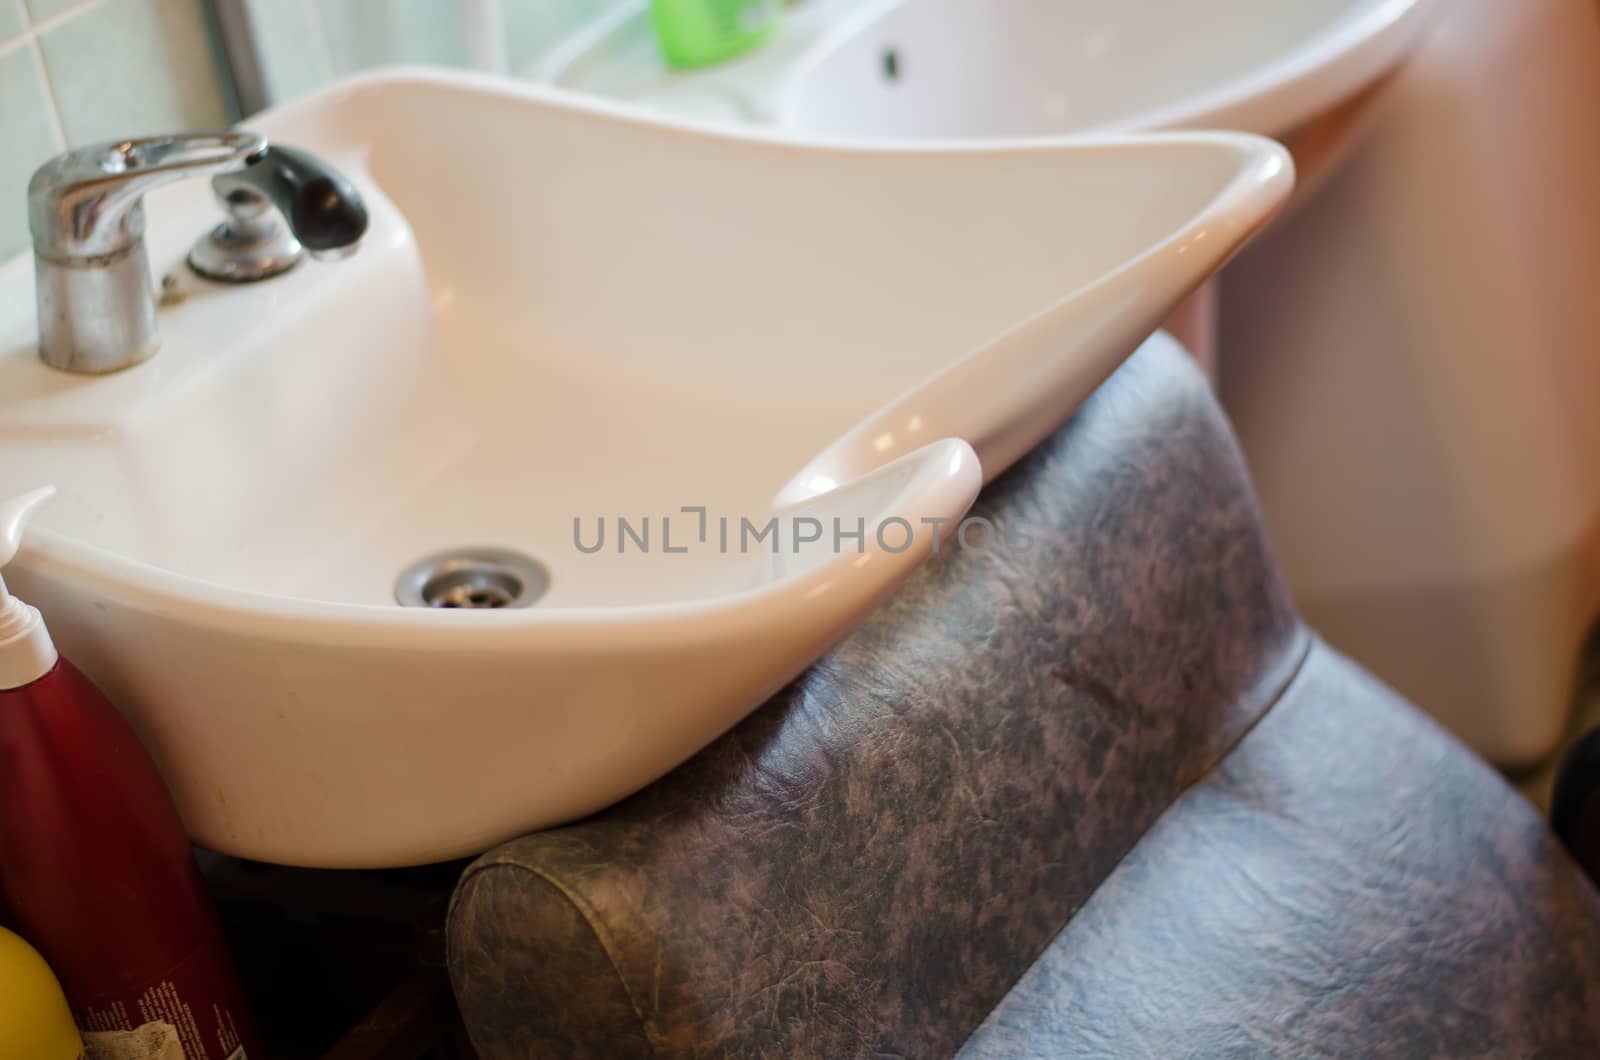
(702, 32)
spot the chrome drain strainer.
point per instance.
(473, 579)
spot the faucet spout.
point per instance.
(86, 215)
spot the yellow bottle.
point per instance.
(35, 1023)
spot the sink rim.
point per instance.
(940, 474)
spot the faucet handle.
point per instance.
(281, 205)
(86, 203)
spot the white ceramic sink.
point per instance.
(966, 68)
(945, 69)
(563, 313)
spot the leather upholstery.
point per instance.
(1350, 882)
(870, 864)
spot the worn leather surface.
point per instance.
(1348, 883)
(872, 861)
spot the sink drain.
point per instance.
(473, 579)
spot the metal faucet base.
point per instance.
(118, 333)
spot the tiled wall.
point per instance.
(77, 71)
(305, 42)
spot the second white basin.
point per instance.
(946, 69)
(958, 69)
(563, 315)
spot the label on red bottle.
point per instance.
(202, 1024)
(153, 1041)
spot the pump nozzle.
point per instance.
(26, 651)
(14, 519)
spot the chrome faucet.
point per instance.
(97, 304)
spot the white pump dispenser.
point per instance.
(26, 650)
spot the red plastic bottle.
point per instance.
(96, 869)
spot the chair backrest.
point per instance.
(868, 863)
